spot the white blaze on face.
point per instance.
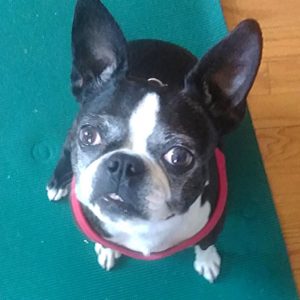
(142, 123)
(141, 126)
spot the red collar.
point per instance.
(210, 225)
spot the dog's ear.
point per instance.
(222, 79)
(98, 47)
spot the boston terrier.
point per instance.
(142, 159)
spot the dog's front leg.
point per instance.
(58, 186)
(207, 262)
(106, 256)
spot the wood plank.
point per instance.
(268, 12)
(281, 31)
(262, 83)
(280, 148)
(281, 41)
(285, 75)
(275, 110)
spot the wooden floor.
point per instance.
(275, 107)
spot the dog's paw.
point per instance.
(106, 257)
(207, 262)
(55, 191)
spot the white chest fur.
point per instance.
(155, 236)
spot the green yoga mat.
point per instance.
(42, 254)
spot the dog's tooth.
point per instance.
(116, 197)
(120, 199)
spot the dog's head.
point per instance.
(141, 150)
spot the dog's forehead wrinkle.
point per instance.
(180, 138)
(101, 117)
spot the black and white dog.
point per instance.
(141, 151)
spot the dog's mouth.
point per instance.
(115, 200)
(115, 204)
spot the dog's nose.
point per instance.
(124, 166)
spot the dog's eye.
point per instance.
(179, 157)
(89, 136)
